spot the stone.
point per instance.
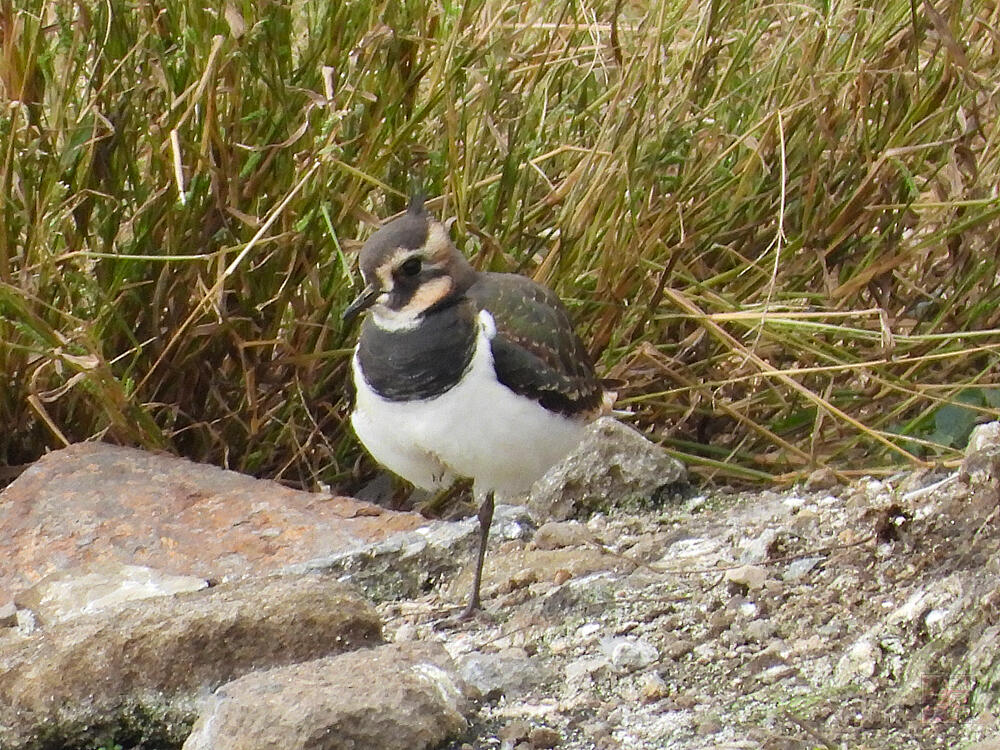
(510, 673)
(613, 464)
(544, 738)
(799, 569)
(94, 502)
(858, 663)
(394, 697)
(760, 548)
(67, 593)
(759, 631)
(146, 661)
(401, 565)
(584, 669)
(750, 576)
(983, 436)
(627, 653)
(558, 534)
(652, 687)
(823, 478)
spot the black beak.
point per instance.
(364, 300)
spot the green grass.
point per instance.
(776, 221)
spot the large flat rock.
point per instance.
(97, 503)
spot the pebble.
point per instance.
(799, 569)
(821, 479)
(652, 687)
(751, 576)
(680, 647)
(759, 549)
(584, 669)
(544, 738)
(760, 631)
(626, 653)
(559, 534)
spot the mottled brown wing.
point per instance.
(536, 351)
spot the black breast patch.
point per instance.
(422, 362)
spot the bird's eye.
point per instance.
(410, 266)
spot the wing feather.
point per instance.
(536, 351)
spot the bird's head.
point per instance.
(409, 266)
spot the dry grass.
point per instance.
(777, 221)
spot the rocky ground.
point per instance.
(860, 615)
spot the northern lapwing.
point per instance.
(464, 373)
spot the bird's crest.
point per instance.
(416, 204)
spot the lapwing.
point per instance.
(460, 373)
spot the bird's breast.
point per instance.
(419, 362)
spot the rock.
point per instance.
(557, 534)
(759, 631)
(799, 569)
(393, 697)
(823, 478)
(652, 687)
(67, 593)
(584, 669)
(983, 436)
(760, 548)
(628, 653)
(750, 576)
(515, 731)
(143, 663)
(544, 738)
(613, 464)
(678, 648)
(858, 663)
(93, 502)
(402, 565)
(510, 673)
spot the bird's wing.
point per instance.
(536, 351)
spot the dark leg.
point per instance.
(485, 521)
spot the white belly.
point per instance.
(479, 429)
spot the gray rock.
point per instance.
(858, 663)
(584, 669)
(983, 436)
(510, 673)
(143, 663)
(627, 653)
(92, 588)
(759, 549)
(401, 566)
(759, 631)
(393, 697)
(613, 463)
(799, 569)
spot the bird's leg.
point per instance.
(485, 521)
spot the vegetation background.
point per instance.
(777, 221)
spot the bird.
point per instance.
(460, 373)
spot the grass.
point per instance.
(776, 221)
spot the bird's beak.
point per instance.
(364, 300)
